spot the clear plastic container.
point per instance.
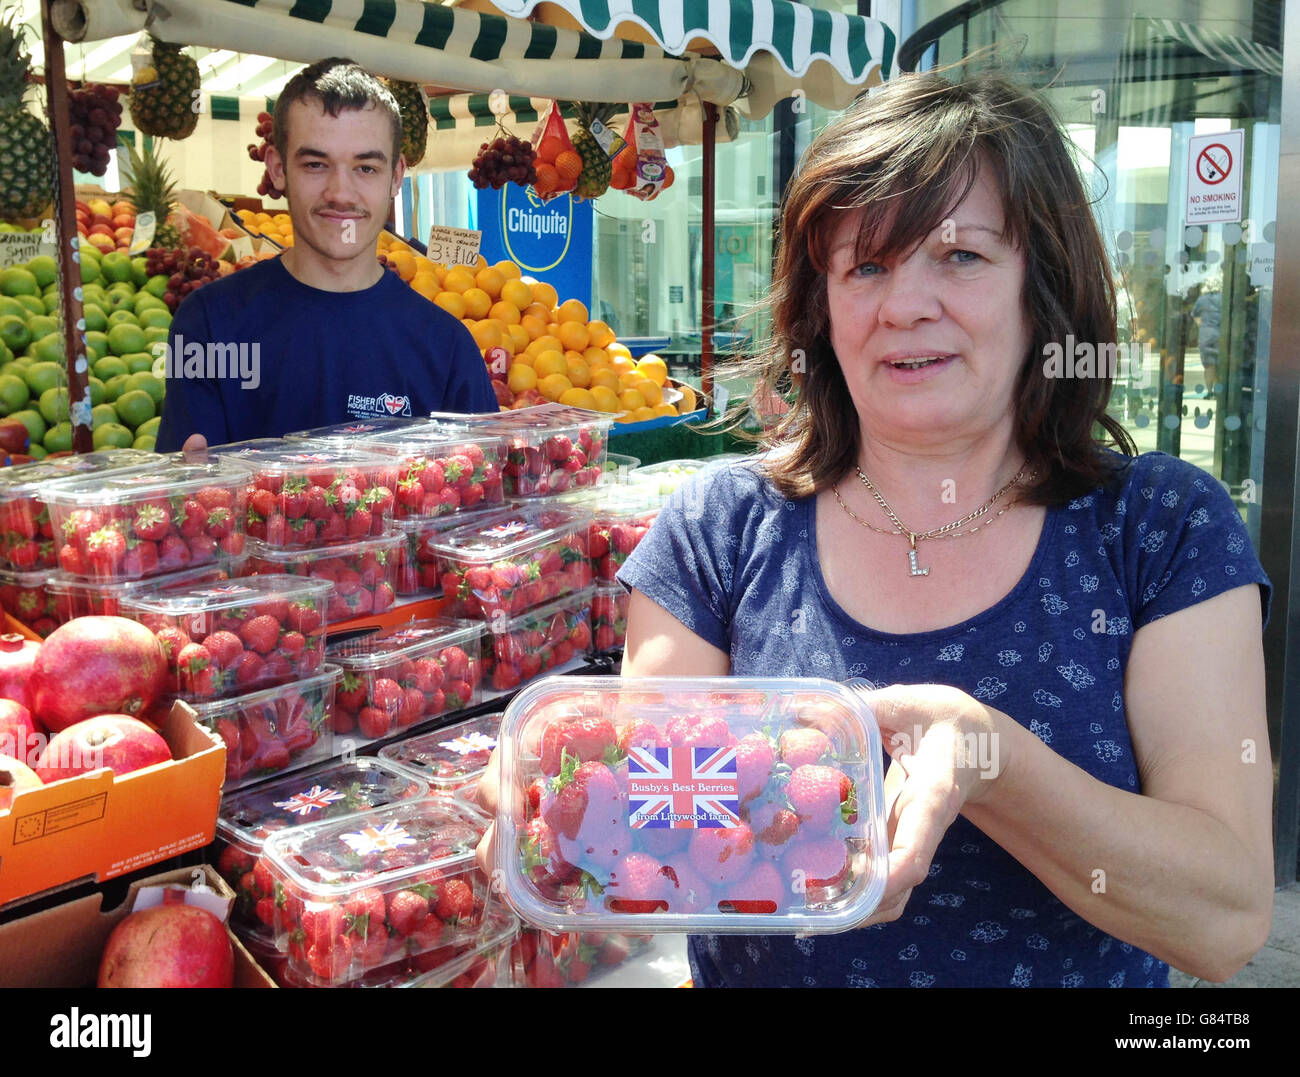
(444, 471)
(487, 963)
(773, 822)
(365, 891)
(231, 638)
(275, 729)
(609, 618)
(618, 525)
(307, 496)
(74, 596)
(356, 431)
(514, 560)
(449, 758)
(26, 597)
(26, 528)
(618, 466)
(666, 476)
(248, 818)
(405, 676)
(539, 641)
(129, 525)
(570, 959)
(362, 574)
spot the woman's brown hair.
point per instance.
(916, 146)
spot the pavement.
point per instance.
(1278, 964)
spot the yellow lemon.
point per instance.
(549, 343)
(520, 377)
(627, 379)
(653, 368)
(554, 386)
(578, 398)
(642, 414)
(535, 326)
(600, 333)
(618, 349)
(621, 364)
(624, 417)
(687, 404)
(652, 393)
(596, 357)
(486, 334)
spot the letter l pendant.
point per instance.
(911, 557)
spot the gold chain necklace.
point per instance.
(946, 531)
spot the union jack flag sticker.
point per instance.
(682, 788)
(378, 839)
(470, 742)
(314, 799)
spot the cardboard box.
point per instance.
(98, 825)
(61, 947)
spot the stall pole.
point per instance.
(706, 251)
(65, 232)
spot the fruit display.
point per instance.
(257, 152)
(26, 528)
(596, 164)
(513, 560)
(449, 758)
(229, 638)
(327, 791)
(444, 470)
(405, 676)
(112, 222)
(184, 269)
(373, 888)
(302, 497)
(537, 642)
(167, 946)
(131, 524)
(609, 617)
(152, 191)
(505, 159)
(558, 165)
(76, 596)
(362, 574)
(95, 114)
(274, 729)
(26, 146)
(569, 959)
(26, 597)
(675, 804)
(164, 93)
(415, 119)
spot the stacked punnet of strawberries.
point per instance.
(609, 605)
(410, 673)
(385, 885)
(663, 807)
(362, 574)
(325, 792)
(537, 642)
(450, 758)
(514, 560)
(27, 597)
(615, 532)
(571, 958)
(444, 470)
(127, 525)
(74, 596)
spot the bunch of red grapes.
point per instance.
(257, 152)
(186, 270)
(95, 115)
(504, 160)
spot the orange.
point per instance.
(606, 378)
(600, 333)
(486, 334)
(652, 393)
(480, 263)
(540, 311)
(490, 281)
(665, 410)
(521, 377)
(439, 270)
(458, 279)
(518, 337)
(653, 368)
(543, 293)
(578, 372)
(533, 325)
(596, 357)
(395, 245)
(426, 286)
(605, 399)
(687, 403)
(569, 166)
(621, 364)
(547, 178)
(549, 342)
(631, 399)
(477, 302)
(553, 386)
(452, 302)
(517, 293)
(578, 398)
(642, 414)
(574, 310)
(617, 349)
(508, 269)
(629, 379)
(550, 362)
(506, 312)
(624, 417)
(573, 335)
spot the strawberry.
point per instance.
(761, 891)
(105, 550)
(292, 644)
(455, 662)
(722, 854)
(387, 695)
(248, 667)
(359, 523)
(623, 538)
(303, 617)
(373, 722)
(351, 693)
(823, 862)
(277, 608)
(754, 759)
(261, 633)
(382, 597)
(585, 739)
(816, 794)
(804, 745)
(365, 912)
(455, 902)
(194, 663)
(689, 892)
(203, 548)
(637, 884)
(773, 825)
(212, 497)
(322, 922)
(233, 862)
(151, 522)
(140, 560)
(702, 731)
(224, 647)
(330, 959)
(173, 553)
(587, 800)
(407, 910)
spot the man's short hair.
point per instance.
(337, 83)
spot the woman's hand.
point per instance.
(486, 794)
(946, 753)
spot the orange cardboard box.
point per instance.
(98, 825)
(61, 947)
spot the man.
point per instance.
(324, 333)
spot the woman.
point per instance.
(936, 516)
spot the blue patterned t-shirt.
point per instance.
(736, 563)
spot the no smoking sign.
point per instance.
(1214, 171)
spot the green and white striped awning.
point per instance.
(773, 48)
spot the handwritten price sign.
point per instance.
(19, 247)
(454, 246)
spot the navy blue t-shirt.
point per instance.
(734, 561)
(278, 355)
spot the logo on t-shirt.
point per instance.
(367, 407)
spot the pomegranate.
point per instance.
(15, 776)
(168, 946)
(17, 655)
(96, 665)
(116, 741)
(17, 730)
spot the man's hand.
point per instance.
(195, 443)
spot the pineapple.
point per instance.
(596, 167)
(166, 109)
(153, 188)
(26, 147)
(415, 119)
